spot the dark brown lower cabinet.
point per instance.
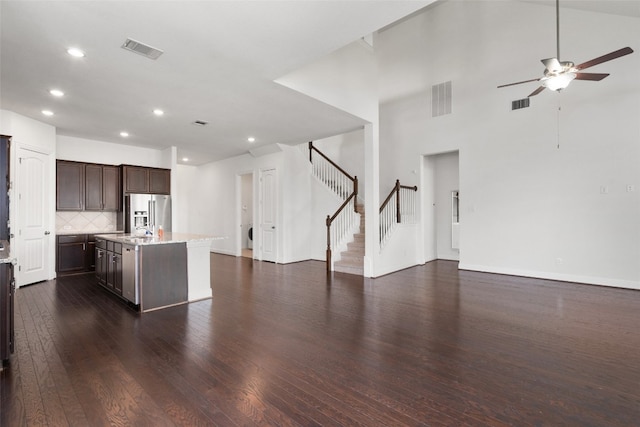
(7, 289)
(75, 254)
(109, 265)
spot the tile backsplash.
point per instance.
(85, 222)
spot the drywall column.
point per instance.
(372, 198)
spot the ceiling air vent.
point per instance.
(519, 103)
(142, 49)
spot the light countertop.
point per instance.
(5, 252)
(168, 237)
(76, 232)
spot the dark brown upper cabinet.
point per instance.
(102, 188)
(69, 186)
(138, 179)
(87, 186)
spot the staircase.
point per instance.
(352, 260)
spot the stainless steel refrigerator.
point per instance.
(147, 211)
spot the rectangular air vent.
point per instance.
(141, 49)
(441, 99)
(519, 103)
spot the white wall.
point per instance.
(347, 151)
(190, 190)
(528, 207)
(214, 206)
(344, 79)
(92, 151)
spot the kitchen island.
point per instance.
(154, 272)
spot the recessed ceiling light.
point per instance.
(56, 92)
(47, 112)
(73, 51)
(185, 159)
(158, 112)
(251, 139)
(124, 134)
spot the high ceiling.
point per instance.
(219, 62)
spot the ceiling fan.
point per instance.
(558, 74)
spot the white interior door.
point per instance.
(33, 236)
(268, 215)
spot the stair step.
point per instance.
(358, 271)
(355, 246)
(351, 258)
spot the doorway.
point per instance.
(268, 239)
(441, 208)
(246, 215)
(33, 237)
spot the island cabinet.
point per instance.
(157, 271)
(138, 179)
(109, 265)
(87, 187)
(75, 254)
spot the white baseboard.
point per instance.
(589, 280)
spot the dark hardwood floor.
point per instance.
(286, 345)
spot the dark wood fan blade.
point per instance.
(519, 83)
(552, 64)
(591, 76)
(535, 92)
(604, 58)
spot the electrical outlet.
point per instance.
(604, 189)
(631, 188)
(559, 261)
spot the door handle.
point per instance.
(46, 233)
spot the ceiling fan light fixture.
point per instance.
(559, 81)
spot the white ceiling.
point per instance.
(219, 65)
(220, 59)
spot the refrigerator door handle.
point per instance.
(152, 214)
(149, 215)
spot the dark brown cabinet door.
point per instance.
(71, 252)
(110, 188)
(117, 273)
(90, 256)
(102, 188)
(159, 181)
(101, 265)
(93, 187)
(6, 311)
(136, 179)
(75, 254)
(109, 275)
(69, 186)
(4, 187)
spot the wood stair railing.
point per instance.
(400, 204)
(344, 185)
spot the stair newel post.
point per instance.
(355, 194)
(398, 200)
(328, 243)
(310, 150)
